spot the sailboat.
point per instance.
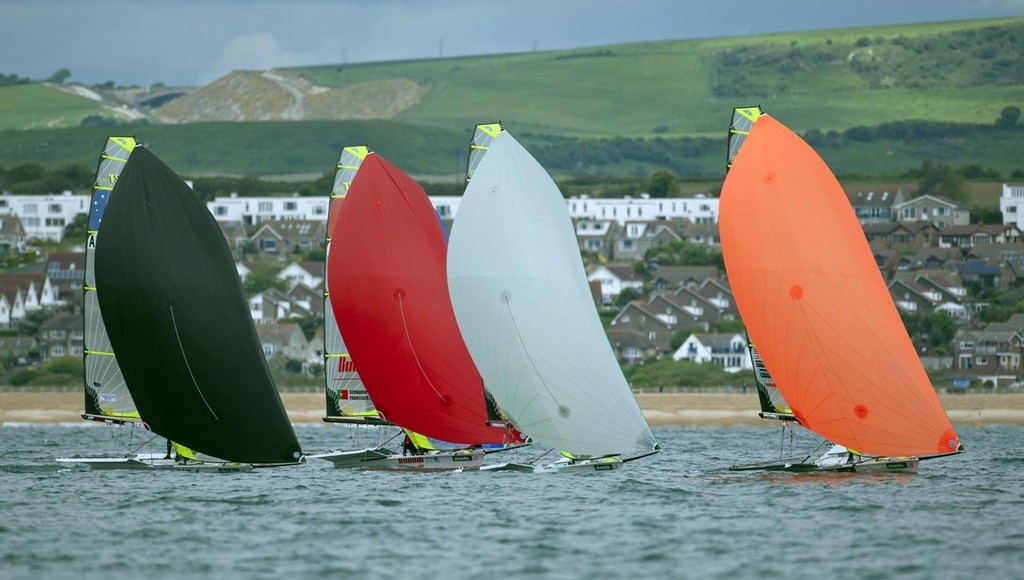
(524, 308)
(107, 398)
(174, 313)
(817, 309)
(389, 298)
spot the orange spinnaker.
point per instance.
(815, 304)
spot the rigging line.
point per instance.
(526, 351)
(401, 308)
(174, 322)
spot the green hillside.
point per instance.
(35, 106)
(873, 101)
(834, 79)
(247, 148)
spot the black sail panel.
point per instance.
(176, 316)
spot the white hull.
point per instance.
(862, 465)
(154, 461)
(377, 459)
(597, 464)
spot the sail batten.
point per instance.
(815, 304)
(523, 305)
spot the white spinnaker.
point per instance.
(524, 307)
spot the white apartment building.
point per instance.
(699, 209)
(1011, 204)
(45, 216)
(254, 210)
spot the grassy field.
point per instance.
(36, 107)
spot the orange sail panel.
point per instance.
(815, 304)
(389, 294)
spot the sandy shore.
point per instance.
(716, 409)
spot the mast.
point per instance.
(107, 397)
(346, 397)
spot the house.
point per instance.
(306, 300)
(39, 292)
(67, 275)
(283, 339)
(284, 238)
(595, 237)
(902, 236)
(912, 298)
(666, 279)
(12, 306)
(269, 307)
(700, 234)
(309, 274)
(974, 235)
(632, 240)
(631, 346)
(236, 236)
(615, 279)
(931, 208)
(871, 207)
(990, 354)
(728, 351)
(60, 336)
(12, 235)
(1011, 204)
(655, 331)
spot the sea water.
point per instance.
(678, 514)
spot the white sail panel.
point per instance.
(345, 392)
(105, 389)
(524, 307)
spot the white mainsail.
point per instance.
(524, 308)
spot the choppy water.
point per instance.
(674, 515)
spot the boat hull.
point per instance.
(864, 465)
(154, 461)
(595, 465)
(377, 459)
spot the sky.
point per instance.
(193, 42)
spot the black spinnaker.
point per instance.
(176, 316)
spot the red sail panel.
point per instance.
(815, 304)
(389, 294)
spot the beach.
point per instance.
(661, 409)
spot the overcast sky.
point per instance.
(192, 42)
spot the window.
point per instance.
(290, 206)
(54, 208)
(268, 349)
(1009, 208)
(652, 336)
(595, 244)
(268, 245)
(30, 208)
(980, 360)
(55, 222)
(76, 350)
(265, 206)
(442, 210)
(220, 210)
(57, 350)
(628, 245)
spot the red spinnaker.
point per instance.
(389, 294)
